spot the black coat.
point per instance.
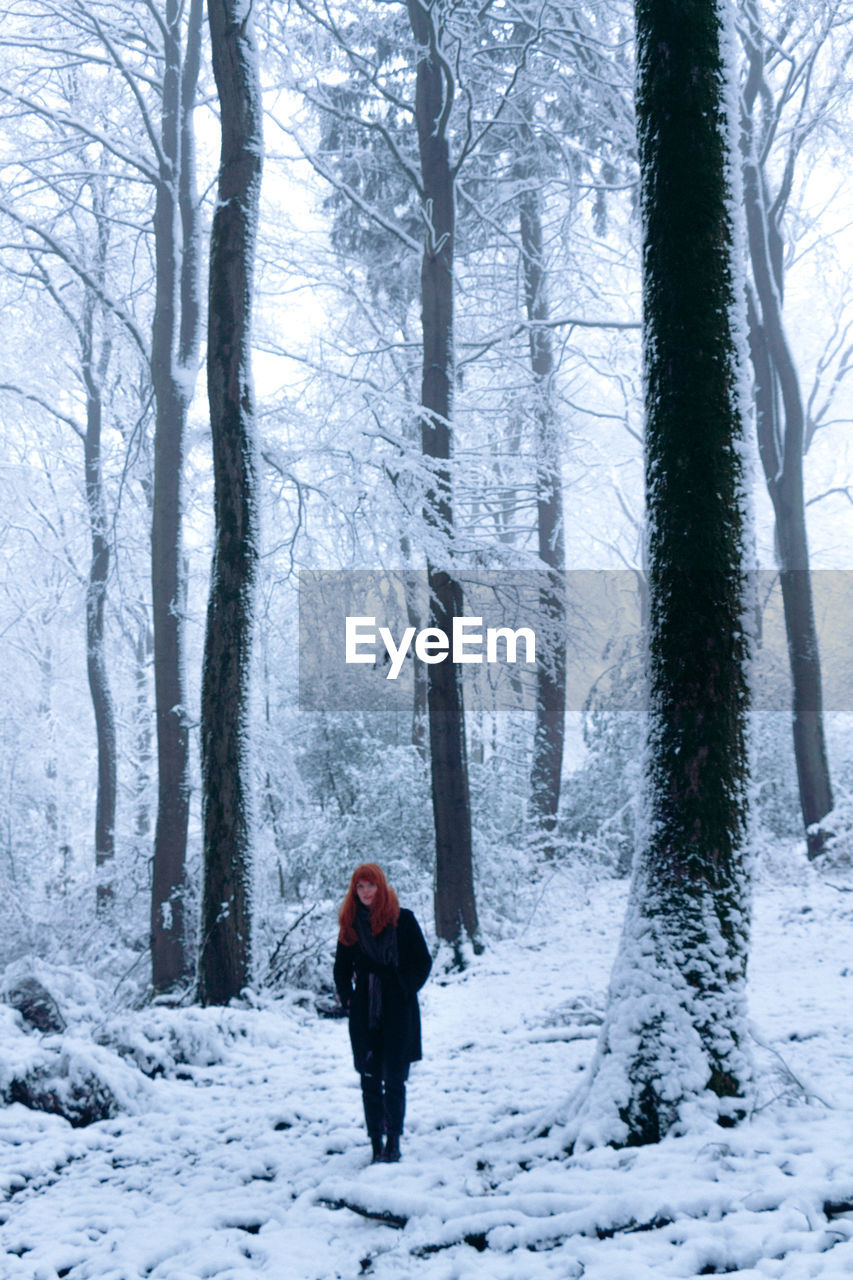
(400, 1027)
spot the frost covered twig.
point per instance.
(788, 1075)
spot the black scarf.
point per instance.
(380, 950)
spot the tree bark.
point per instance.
(225, 954)
(96, 350)
(96, 657)
(420, 691)
(48, 735)
(174, 347)
(675, 1027)
(455, 907)
(142, 656)
(549, 733)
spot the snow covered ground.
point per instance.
(247, 1156)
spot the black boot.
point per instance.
(378, 1149)
(392, 1149)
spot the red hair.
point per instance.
(385, 909)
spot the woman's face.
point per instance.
(366, 891)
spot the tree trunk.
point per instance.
(420, 685)
(96, 657)
(168, 957)
(675, 1026)
(781, 438)
(548, 739)
(173, 355)
(143, 652)
(47, 733)
(225, 954)
(455, 909)
(95, 364)
(807, 705)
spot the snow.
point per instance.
(240, 1151)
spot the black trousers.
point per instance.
(383, 1093)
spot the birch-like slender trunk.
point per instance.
(549, 733)
(174, 356)
(96, 351)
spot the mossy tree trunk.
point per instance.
(674, 1032)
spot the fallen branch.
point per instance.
(837, 1208)
(476, 1240)
(384, 1216)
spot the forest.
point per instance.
(529, 318)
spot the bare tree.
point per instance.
(153, 59)
(174, 358)
(69, 268)
(96, 346)
(455, 908)
(499, 151)
(567, 124)
(784, 101)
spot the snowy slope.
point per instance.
(247, 1157)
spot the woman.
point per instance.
(382, 951)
